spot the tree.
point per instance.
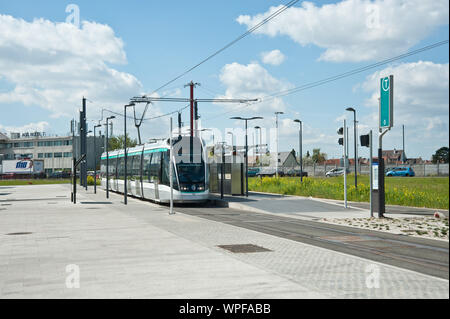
(318, 157)
(117, 142)
(441, 155)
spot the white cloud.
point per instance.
(420, 102)
(53, 65)
(31, 127)
(274, 57)
(356, 30)
(249, 82)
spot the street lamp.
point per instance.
(95, 161)
(276, 159)
(300, 138)
(125, 181)
(260, 144)
(246, 119)
(354, 137)
(107, 156)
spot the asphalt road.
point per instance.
(426, 256)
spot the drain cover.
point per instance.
(244, 248)
(20, 233)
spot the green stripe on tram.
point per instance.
(137, 153)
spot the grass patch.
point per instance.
(16, 182)
(430, 192)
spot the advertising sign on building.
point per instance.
(22, 166)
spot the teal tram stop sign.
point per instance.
(387, 102)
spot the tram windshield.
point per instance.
(191, 172)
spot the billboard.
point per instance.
(22, 166)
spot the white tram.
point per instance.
(148, 170)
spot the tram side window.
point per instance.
(130, 160)
(103, 168)
(121, 168)
(146, 166)
(113, 164)
(165, 172)
(136, 170)
(155, 167)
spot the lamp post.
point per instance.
(246, 119)
(125, 181)
(107, 156)
(276, 158)
(354, 137)
(300, 138)
(260, 144)
(95, 160)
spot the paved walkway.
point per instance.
(139, 251)
(313, 208)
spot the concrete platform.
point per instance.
(139, 251)
(310, 208)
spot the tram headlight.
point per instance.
(201, 188)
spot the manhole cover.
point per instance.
(20, 233)
(6, 204)
(244, 248)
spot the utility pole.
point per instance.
(276, 157)
(95, 160)
(300, 137)
(170, 168)
(191, 100)
(125, 181)
(107, 156)
(351, 109)
(345, 164)
(403, 147)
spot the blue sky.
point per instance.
(127, 48)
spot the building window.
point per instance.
(49, 143)
(28, 144)
(41, 143)
(16, 145)
(67, 154)
(58, 154)
(67, 142)
(58, 143)
(40, 155)
(48, 155)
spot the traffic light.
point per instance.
(365, 140)
(340, 131)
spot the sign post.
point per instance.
(386, 116)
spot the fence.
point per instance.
(420, 169)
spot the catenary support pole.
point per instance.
(171, 168)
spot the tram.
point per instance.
(148, 170)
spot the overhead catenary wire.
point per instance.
(249, 31)
(310, 85)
